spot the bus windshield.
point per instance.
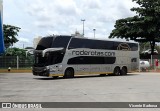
(50, 58)
(53, 42)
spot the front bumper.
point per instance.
(40, 71)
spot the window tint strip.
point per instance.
(92, 60)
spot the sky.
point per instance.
(63, 17)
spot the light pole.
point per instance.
(94, 30)
(83, 25)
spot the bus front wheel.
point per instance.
(116, 71)
(69, 73)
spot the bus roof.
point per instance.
(80, 37)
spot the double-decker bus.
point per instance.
(68, 56)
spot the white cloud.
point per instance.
(66, 7)
(23, 40)
(92, 4)
(51, 32)
(44, 17)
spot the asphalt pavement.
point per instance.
(134, 87)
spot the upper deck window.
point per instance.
(100, 44)
(91, 44)
(61, 41)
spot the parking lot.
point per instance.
(135, 87)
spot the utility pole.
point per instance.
(83, 25)
(94, 30)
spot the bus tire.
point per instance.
(116, 71)
(124, 71)
(69, 73)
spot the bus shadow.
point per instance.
(49, 78)
(93, 76)
(83, 76)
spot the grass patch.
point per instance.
(14, 70)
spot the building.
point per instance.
(35, 41)
(77, 34)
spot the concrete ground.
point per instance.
(135, 87)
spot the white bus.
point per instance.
(68, 56)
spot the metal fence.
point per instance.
(19, 62)
(16, 62)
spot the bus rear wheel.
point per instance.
(116, 71)
(124, 71)
(69, 73)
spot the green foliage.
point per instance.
(10, 33)
(143, 27)
(144, 46)
(15, 52)
(9, 59)
(158, 49)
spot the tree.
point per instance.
(143, 27)
(144, 46)
(10, 33)
(15, 52)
